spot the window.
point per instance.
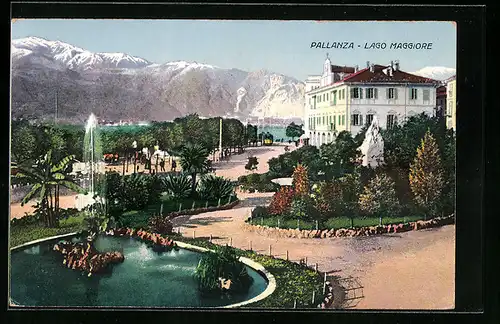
(450, 92)
(323, 122)
(369, 119)
(339, 121)
(371, 93)
(355, 93)
(413, 94)
(324, 97)
(426, 95)
(343, 119)
(334, 97)
(392, 93)
(343, 93)
(327, 97)
(391, 120)
(356, 120)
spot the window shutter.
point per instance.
(352, 92)
(395, 93)
(360, 93)
(375, 91)
(360, 119)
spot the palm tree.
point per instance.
(47, 177)
(194, 161)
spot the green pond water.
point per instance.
(145, 279)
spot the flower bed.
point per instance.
(295, 282)
(351, 232)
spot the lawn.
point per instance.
(332, 223)
(140, 218)
(20, 234)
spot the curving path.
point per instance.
(412, 270)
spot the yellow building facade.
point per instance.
(451, 103)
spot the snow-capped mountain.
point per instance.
(119, 86)
(440, 73)
(68, 56)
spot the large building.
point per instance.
(346, 98)
(451, 105)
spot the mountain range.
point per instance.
(440, 73)
(118, 86)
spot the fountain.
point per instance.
(93, 171)
(143, 275)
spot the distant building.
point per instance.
(451, 105)
(347, 98)
(441, 101)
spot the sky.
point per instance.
(278, 46)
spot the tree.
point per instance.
(23, 144)
(379, 197)
(426, 175)
(340, 156)
(293, 130)
(351, 187)
(194, 161)
(47, 176)
(300, 181)
(252, 163)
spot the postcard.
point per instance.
(232, 164)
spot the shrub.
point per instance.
(281, 201)
(260, 212)
(177, 186)
(222, 262)
(303, 208)
(215, 188)
(243, 179)
(253, 178)
(161, 225)
(327, 196)
(379, 197)
(134, 219)
(135, 191)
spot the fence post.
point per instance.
(316, 225)
(298, 224)
(230, 241)
(250, 245)
(262, 221)
(380, 221)
(210, 240)
(295, 303)
(270, 254)
(324, 285)
(194, 234)
(218, 204)
(278, 223)
(194, 204)
(305, 261)
(314, 297)
(206, 204)
(161, 209)
(287, 255)
(180, 207)
(316, 267)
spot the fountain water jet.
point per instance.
(94, 171)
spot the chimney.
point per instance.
(372, 67)
(392, 64)
(356, 68)
(396, 65)
(390, 70)
(367, 64)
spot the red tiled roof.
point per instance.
(378, 75)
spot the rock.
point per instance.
(372, 147)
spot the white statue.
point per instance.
(373, 146)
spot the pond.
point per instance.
(145, 279)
